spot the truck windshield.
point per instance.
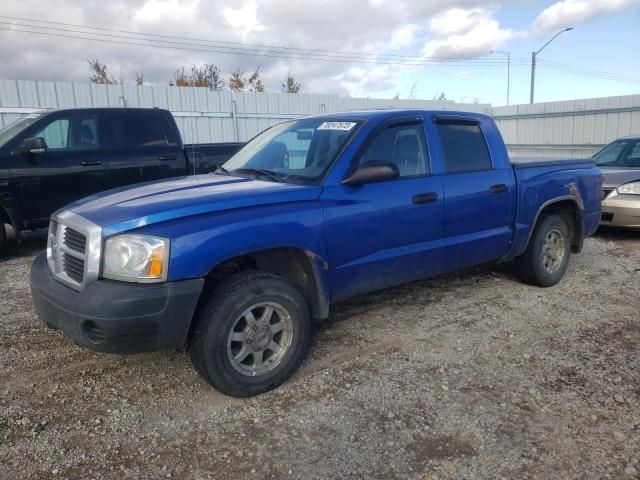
(297, 151)
(13, 129)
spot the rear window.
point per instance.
(134, 129)
(464, 148)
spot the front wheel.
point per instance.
(251, 335)
(546, 258)
(3, 236)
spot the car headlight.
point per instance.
(632, 188)
(136, 258)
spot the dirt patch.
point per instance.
(470, 375)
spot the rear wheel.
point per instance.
(251, 335)
(546, 258)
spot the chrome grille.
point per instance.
(75, 240)
(73, 267)
(73, 249)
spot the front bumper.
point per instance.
(116, 317)
(621, 211)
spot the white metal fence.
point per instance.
(576, 128)
(202, 115)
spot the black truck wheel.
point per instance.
(546, 258)
(3, 236)
(251, 335)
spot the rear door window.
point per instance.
(134, 130)
(464, 148)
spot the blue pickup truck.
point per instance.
(235, 265)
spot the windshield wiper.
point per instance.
(259, 172)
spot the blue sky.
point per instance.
(271, 33)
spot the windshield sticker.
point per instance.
(346, 126)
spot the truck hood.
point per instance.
(145, 204)
(616, 176)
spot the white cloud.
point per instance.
(466, 33)
(463, 76)
(404, 36)
(244, 19)
(154, 10)
(567, 13)
(451, 28)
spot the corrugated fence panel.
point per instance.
(569, 128)
(574, 128)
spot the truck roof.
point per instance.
(46, 111)
(394, 112)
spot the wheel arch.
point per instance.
(572, 209)
(303, 269)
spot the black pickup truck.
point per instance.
(51, 158)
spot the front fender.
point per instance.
(200, 243)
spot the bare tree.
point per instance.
(396, 97)
(206, 75)
(440, 97)
(290, 85)
(413, 91)
(237, 83)
(254, 81)
(139, 78)
(179, 78)
(100, 74)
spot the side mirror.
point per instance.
(31, 145)
(373, 171)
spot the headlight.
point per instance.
(632, 188)
(136, 258)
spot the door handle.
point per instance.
(166, 158)
(500, 188)
(425, 198)
(90, 163)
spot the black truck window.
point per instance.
(73, 132)
(464, 147)
(134, 129)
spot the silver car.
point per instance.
(620, 165)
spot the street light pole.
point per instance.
(508, 54)
(533, 62)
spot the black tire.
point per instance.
(3, 236)
(218, 316)
(530, 267)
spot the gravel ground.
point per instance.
(470, 375)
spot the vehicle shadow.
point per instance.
(31, 245)
(617, 234)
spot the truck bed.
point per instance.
(529, 162)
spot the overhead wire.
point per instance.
(174, 42)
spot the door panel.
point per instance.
(391, 232)
(378, 237)
(71, 168)
(477, 221)
(140, 149)
(479, 198)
